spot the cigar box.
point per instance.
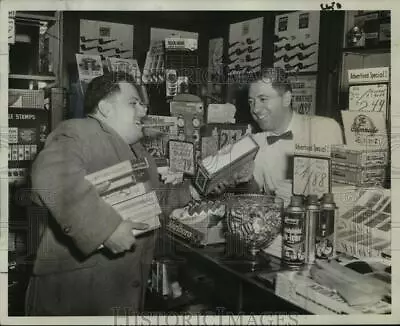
(122, 173)
(214, 136)
(127, 188)
(221, 167)
(354, 157)
(370, 176)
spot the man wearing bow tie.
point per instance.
(283, 130)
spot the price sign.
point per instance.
(311, 175)
(181, 156)
(368, 98)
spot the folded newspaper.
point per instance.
(126, 187)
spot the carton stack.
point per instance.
(126, 187)
(359, 167)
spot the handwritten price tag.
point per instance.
(311, 176)
(11, 30)
(368, 98)
(181, 156)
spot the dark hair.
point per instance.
(277, 76)
(102, 87)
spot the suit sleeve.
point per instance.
(58, 179)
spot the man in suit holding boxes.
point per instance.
(284, 131)
(71, 275)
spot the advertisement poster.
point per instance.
(365, 129)
(89, 67)
(304, 94)
(245, 46)
(296, 41)
(106, 39)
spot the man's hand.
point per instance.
(123, 239)
(243, 176)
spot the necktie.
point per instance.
(273, 139)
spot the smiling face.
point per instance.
(268, 107)
(124, 111)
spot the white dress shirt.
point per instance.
(311, 134)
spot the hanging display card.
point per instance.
(368, 98)
(181, 156)
(296, 41)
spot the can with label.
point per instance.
(325, 238)
(312, 217)
(293, 240)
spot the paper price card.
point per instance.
(181, 156)
(368, 98)
(311, 175)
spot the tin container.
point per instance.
(293, 240)
(325, 239)
(312, 217)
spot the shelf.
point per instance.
(34, 17)
(369, 50)
(33, 77)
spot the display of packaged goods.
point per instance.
(26, 98)
(358, 176)
(354, 157)
(318, 299)
(221, 167)
(364, 229)
(190, 117)
(200, 222)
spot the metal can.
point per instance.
(325, 239)
(312, 218)
(293, 242)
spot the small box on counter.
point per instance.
(350, 156)
(221, 167)
(374, 176)
(127, 188)
(200, 223)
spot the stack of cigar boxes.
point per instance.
(359, 167)
(126, 187)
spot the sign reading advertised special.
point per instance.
(368, 75)
(311, 175)
(181, 156)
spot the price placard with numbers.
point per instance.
(368, 98)
(311, 175)
(181, 156)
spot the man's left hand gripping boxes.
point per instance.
(126, 187)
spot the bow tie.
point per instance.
(273, 139)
